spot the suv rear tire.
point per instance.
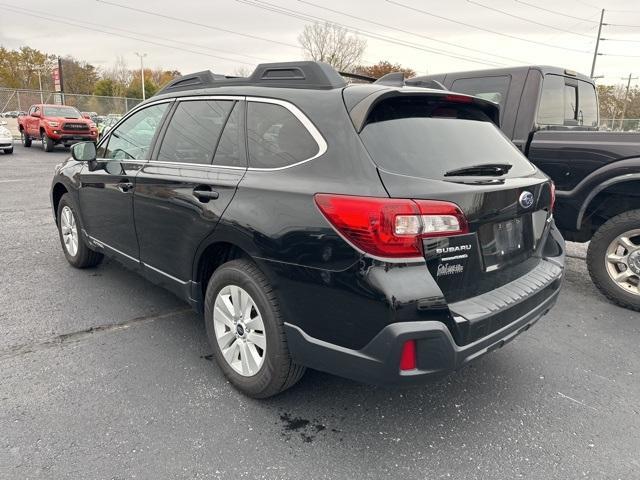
(617, 239)
(75, 249)
(26, 140)
(274, 371)
(47, 143)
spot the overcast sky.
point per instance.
(187, 47)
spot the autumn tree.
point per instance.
(20, 68)
(333, 44)
(78, 76)
(383, 67)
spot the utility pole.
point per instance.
(142, 55)
(595, 53)
(39, 71)
(61, 80)
(626, 97)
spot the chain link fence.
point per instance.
(17, 100)
(617, 125)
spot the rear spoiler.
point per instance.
(396, 79)
(360, 112)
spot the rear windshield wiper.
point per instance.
(486, 169)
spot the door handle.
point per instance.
(204, 193)
(124, 187)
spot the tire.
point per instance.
(276, 372)
(26, 140)
(81, 256)
(609, 242)
(47, 143)
(8, 151)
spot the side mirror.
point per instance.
(84, 151)
(36, 114)
(87, 116)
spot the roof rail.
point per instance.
(202, 79)
(303, 74)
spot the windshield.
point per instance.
(428, 140)
(66, 112)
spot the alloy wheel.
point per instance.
(69, 230)
(622, 261)
(239, 330)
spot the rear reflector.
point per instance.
(408, 356)
(390, 227)
(553, 196)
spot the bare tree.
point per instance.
(242, 72)
(331, 43)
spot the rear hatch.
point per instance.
(442, 147)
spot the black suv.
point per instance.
(387, 233)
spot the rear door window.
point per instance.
(231, 151)
(427, 137)
(194, 131)
(276, 137)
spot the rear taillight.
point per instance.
(390, 227)
(553, 196)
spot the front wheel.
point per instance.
(613, 259)
(75, 249)
(47, 143)
(246, 331)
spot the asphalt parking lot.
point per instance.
(104, 375)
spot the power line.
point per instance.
(619, 40)
(527, 19)
(366, 33)
(191, 44)
(555, 12)
(409, 7)
(621, 25)
(356, 17)
(198, 24)
(23, 11)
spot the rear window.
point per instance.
(427, 138)
(490, 88)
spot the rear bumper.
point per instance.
(437, 353)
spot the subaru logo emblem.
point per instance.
(526, 199)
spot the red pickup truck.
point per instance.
(56, 124)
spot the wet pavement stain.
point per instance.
(307, 429)
(207, 357)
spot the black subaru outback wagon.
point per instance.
(388, 232)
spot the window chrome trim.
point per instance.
(238, 98)
(185, 164)
(306, 123)
(304, 120)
